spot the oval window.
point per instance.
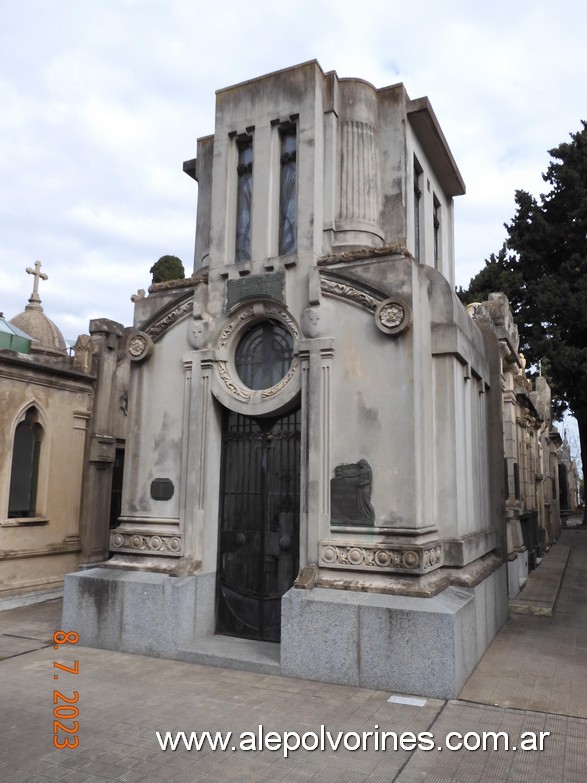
(264, 355)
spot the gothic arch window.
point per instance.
(24, 475)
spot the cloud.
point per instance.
(102, 101)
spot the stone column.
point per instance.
(95, 518)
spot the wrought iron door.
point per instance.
(259, 523)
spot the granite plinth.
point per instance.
(135, 612)
(426, 646)
(408, 644)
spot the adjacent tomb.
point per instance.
(62, 432)
(314, 454)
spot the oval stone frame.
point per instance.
(393, 316)
(227, 386)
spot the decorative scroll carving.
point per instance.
(160, 326)
(348, 291)
(381, 557)
(283, 382)
(284, 316)
(244, 315)
(138, 542)
(230, 384)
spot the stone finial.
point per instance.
(35, 299)
(140, 294)
(83, 350)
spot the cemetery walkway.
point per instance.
(532, 679)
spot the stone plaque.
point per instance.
(162, 489)
(269, 286)
(350, 495)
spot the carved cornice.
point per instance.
(364, 253)
(171, 285)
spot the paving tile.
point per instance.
(536, 672)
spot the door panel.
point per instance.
(259, 523)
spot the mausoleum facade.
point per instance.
(313, 484)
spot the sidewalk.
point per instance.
(540, 662)
(533, 678)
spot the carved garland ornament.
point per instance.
(347, 291)
(160, 326)
(135, 542)
(379, 557)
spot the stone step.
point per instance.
(232, 653)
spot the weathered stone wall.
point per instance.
(36, 552)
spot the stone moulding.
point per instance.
(409, 559)
(147, 543)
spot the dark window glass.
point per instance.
(287, 194)
(436, 220)
(25, 467)
(264, 355)
(417, 207)
(244, 201)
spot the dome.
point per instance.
(47, 339)
(46, 336)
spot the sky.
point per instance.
(103, 100)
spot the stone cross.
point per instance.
(35, 298)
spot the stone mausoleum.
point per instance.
(314, 467)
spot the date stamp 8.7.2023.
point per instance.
(65, 709)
